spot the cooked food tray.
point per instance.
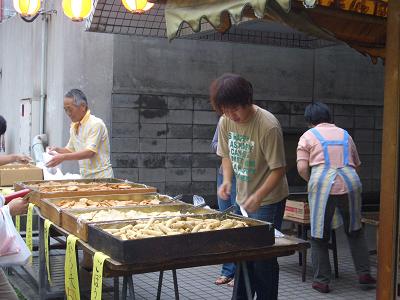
(81, 187)
(76, 221)
(155, 244)
(51, 207)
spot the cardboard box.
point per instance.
(297, 209)
(11, 173)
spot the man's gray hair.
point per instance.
(78, 96)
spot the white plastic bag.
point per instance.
(55, 173)
(13, 250)
(48, 156)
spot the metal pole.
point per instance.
(43, 69)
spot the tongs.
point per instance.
(22, 193)
(228, 210)
(177, 198)
(198, 202)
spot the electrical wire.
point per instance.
(31, 19)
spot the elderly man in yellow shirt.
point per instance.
(88, 143)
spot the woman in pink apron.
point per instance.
(334, 193)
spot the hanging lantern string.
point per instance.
(76, 10)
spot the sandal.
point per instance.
(231, 283)
(222, 280)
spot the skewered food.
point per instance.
(54, 187)
(85, 202)
(150, 202)
(72, 188)
(113, 214)
(173, 226)
(124, 186)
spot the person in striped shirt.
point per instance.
(89, 142)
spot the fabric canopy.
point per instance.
(359, 23)
(220, 14)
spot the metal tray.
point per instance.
(36, 183)
(50, 207)
(37, 195)
(168, 248)
(70, 217)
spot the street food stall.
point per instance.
(360, 24)
(136, 230)
(370, 27)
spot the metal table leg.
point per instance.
(125, 283)
(237, 275)
(300, 235)
(304, 265)
(124, 288)
(131, 288)
(160, 280)
(116, 288)
(43, 280)
(246, 280)
(242, 267)
(175, 284)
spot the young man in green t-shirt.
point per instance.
(250, 143)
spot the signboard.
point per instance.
(378, 8)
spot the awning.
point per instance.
(219, 14)
(359, 23)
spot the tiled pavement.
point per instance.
(197, 283)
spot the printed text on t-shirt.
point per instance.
(240, 147)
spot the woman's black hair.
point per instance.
(3, 125)
(316, 113)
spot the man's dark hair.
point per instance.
(3, 125)
(78, 96)
(316, 113)
(230, 90)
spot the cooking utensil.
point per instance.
(22, 193)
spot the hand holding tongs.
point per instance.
(22, 193)
(177, 198)
(228, 210)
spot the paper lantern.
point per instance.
(77, 10)
(27, 8)
(137, 6)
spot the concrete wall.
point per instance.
(163, 123)
(161, 120)
(75, 59)
(19, 44)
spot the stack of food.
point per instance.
(131, 214)
(85, 187)
(136, 223)
(174, 226)
(86, 203)
(81, 187)
(160, 240)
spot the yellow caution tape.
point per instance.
(97, 277)
(18, 223)
(71, 270)
(47, 224)
(29, 220)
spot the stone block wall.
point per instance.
(164, 140)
